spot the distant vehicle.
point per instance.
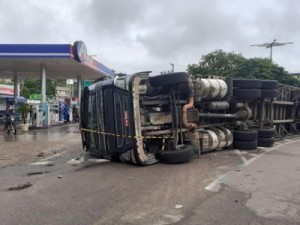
(144, 119)
(11, 126)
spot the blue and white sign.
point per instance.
(80, 55)
(35, 51)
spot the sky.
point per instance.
(129, 36)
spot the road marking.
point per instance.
(52, 156)
(81, 160)
(216, 184)
(98, 160)
(44, 163)
(238, 152)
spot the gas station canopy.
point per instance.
(60, 61)
(49, 61)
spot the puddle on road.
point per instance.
(20, 187)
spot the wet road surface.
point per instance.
(14, 149)
(226, 187)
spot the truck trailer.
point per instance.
(174, 117)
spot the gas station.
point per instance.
(49, 61)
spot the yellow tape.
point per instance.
(124, 136)
(163, 145)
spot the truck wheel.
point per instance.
(247, 93)
(245, 145)
(14, 130)
(115, 157)
(247, 84)
(268, 93)
(177, 156)
(245, 135)
(266, 142)
(266, 132)
(269, 84)
(168, 79)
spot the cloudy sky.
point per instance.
(134, 35)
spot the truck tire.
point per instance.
(266, 142)
(269, 84)
(269, 93)
(177, 156)
(168, 79)
(266, 132)
(245, 145)
(247, 84)
(247, 93)
(245, 135)
(115, 157)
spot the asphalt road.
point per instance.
(53, 185)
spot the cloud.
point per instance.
(135, 35)
(187, 27)
(33, 21)
(114, 17)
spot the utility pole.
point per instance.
(271, 45)
(172, 64)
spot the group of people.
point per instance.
(10, 112)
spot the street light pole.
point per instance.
(172, 64)
(271, 45)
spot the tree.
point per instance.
(24, 109)
(50, 87)
(235, 65)
(218, 63)
(264, 68)
(6, 81)
(256, 68)
(25, 92)
(33, 86)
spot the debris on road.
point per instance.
(178, 206)
(75, 162)
(40, 154)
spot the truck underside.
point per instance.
(143, 119)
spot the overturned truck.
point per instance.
(143, 119)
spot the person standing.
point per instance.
(66, 114)
(75, 114)
(8, 114)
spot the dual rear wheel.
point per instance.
(250, 139)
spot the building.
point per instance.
(295, 75)
(6, 96)
(62, 93)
